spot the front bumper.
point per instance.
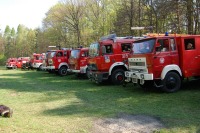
(50, 67)
(10, 67)
(74, 71)
(82, 70)
(137, 77)
(36, 65)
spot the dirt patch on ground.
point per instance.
(125, 123)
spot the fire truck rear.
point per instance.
(78, 61)
(108, 59)
(163, 61)
(58, 61)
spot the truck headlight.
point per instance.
(127, 73)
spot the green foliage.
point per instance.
(71, 23)
(13, 34)
(7, 31)
(2, 60)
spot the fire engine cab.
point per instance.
(58, 61)
(23, 62)
(78, 61)
(11, 63)
(108, 58)
(37, 60)
(164, 61)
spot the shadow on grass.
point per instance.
(87, 99)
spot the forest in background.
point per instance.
(74, 23)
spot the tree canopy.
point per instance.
(73, 23)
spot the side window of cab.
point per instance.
(126, 47)
(172, 44)
(59, 54)
(108, 49)
(189, 44)
(163, 45)
(65, 53)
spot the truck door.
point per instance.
(59, 58)
(191, 57)
(83, 58)
(108, 57)
(162, 56)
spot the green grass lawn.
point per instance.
(48, 103)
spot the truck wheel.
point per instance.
(62, 71)
(118, 77)
(171, 82)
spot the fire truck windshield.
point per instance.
(143, 46)
(51, 54)
(41, 57)
(75, 53)
(94, 49)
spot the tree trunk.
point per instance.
(178, 17)
(131, 16)
(190, 16)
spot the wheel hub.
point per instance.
(119, 77)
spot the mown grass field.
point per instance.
(48, 103)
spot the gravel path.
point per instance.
(125, 123)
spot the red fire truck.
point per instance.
(37, 60)
(57, 61)
(108, 58)
(78, 61)
(164, 61)
(11, 63)
(21, 61)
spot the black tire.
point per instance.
(62, 71)
(171, 82)
(118, 77)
